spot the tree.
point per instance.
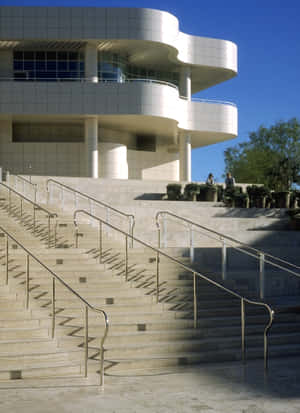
(271, 156)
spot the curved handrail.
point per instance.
(159, 253)
(36, 207)
(57, 277)
(257, 253)
(86, 80)
(130, 217)
(217, 101)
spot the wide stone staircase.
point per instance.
(144, 335)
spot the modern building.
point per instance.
(107, 92)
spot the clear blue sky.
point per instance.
(267, 88)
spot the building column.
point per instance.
(91, 63)
(91, 146)
(185, 82)
(113, 160)
(185, 159)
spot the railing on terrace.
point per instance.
(56, 278)
(91, 201)
(35, 207)
(196, 275)
(217, 101)
(225, 241)
(84, 80)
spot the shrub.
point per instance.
(174, 191)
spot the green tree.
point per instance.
(271, 156)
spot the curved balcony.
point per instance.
(132, 104)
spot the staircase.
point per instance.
(144, 335)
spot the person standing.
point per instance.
(229, 181)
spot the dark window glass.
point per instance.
(18, 65)
(28, 65)
(40, 65)
(73, 66)
(18, 55)
(73, 56)
(62, 56)
(28, 55)
(40, 55)
(20, 75)
(51, 66)
(62, 66)
(51, 55)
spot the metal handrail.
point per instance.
(86, 304)
(263, 257)
(217, 101)
(130, 217)
(26, 181)
(36, 207)
(159, 253)
(87, 80)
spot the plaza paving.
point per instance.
(222, 388)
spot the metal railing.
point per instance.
(196, 275)
(217, 101)
(226, 241)
(56, 278)
(35, 207)
(87, 80)
(130, 217)
(24, 181)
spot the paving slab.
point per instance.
(214, 388)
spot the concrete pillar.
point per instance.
(185, 82)
(185, 159)
(91, 63)
(113, 160)
(91, 146)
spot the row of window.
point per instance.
(32, 65)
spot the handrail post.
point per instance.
(224, 259)
(76, 236)
(21, 209)
(157, 276)
(262, 276)
(158, 237)
(53, 308)
(33, 218)
(35, 193)
(27, 280)
(49, 231)
(100, 242)
(164, 226)
(131, 231)
(62, 199)
(126, 257)
(243, 330)
(195, 300)
(86, 340)
(9, 202)
(6, 261)
(191, 244)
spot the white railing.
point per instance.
(216, 101)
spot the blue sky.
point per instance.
(267, 88)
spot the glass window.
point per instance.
(18, 55)
(28, 65)
(28, 55)
(62, 56)
(18, 65)
(51, 55)
(40, 55)
(73, 56)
